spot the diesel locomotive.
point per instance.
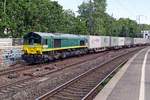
(44, 47)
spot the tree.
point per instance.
(37, 15)
(128, 28)
(21, 16)
(94, 14)
(86, 13)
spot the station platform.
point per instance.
(132, 82)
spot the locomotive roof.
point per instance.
(69, 35)
(58, 35)
(42, 34)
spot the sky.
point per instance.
(133, 9)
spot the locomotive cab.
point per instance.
(32, 44)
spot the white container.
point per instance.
(98, 42)
(114, 41)
(121, 41)
(105, 41)
(141, 41)
(138, 41)
(94, 42)
(129, 41)
(147, 41)
(144, 41)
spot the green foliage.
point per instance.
(95, 15)
(73, 24)
(31, 15)
(104, 24)
(38, 15)
(22, 16)
(144, 27)
(128, 28)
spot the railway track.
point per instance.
(16, 68)
(21, 83)
(23, 66)
(13, 87)
(80, 87)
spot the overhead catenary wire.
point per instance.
(123, 7)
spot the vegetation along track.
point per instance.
(80, 86)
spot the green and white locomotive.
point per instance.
(44, 47)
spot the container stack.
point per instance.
(9, 55)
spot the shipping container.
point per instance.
(94, 42)
(137, 41)
(147, 41)
(105, 41)
(98, 42)
(121, 41)
(129, 41)
(114, 41)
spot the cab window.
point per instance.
(46, 41)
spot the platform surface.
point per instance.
(132, 82)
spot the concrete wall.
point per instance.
(9, 55)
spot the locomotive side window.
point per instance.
(46, 41)
(57, 43)
(82, 43)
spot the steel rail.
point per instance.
(63, 86)
(95, 90)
